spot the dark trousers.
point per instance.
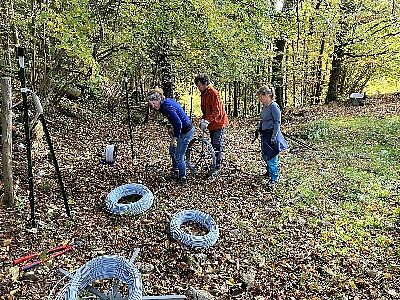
(217, 141)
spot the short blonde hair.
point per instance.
(155, 94)
(266, 90)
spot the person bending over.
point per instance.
(181, 131)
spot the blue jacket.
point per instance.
(271, 118)
(270, 126)
(175, 115)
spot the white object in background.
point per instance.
(38, 105)
(110, 153)
(356, 96)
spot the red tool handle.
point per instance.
(54, 253)
(28, 257)
(69, 248)
(24, 258)
(58, 248)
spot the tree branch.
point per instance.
(106, 53)
(380, 29)
(353, 55)
(391, 34)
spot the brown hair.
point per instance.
(266, 90)
(202, 78)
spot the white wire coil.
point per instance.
(190, 240)
(129, 189)
(103, 267)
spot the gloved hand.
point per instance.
(204, 124)
(170, 131)
(273, 140)
(173, 142)
(256, 134)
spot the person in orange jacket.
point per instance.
(214, 116)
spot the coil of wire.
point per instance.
(103, 267)
(190, 240)
(138, 207)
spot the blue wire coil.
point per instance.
(102, 267)
(135, 208)
(190, 240)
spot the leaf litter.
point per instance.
(266, 249)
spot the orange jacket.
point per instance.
(213, 109)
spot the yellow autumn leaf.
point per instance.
(388, 276)
(6, 242)
(167, 244)
(14, 271)
(43, 256)
(231, 281)
(352, 284)
(261, 262)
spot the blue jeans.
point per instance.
(270, 154)
(217, 141)
(178, 153)
(273, 168)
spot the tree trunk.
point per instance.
(334, 79)
(230, 99)
(166, 75)
(319, 79)
(294, 75)
(277, 71)
(235, 99)
(6, 125)
(245, 101)
(305, 78)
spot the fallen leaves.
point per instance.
(14, 272)
(259, 231)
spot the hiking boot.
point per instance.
(269, 183)
(173, 176)
(272, 185)
(213, 172)
(182, 180)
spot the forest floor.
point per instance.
(329, 231)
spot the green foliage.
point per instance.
(88, 41)
(318, 130)
(44, 186)
(351, 187)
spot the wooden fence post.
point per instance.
(6, 123)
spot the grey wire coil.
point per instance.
(194, 241)
(102, 267)
(135, 208)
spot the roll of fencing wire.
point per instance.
(190, 240)
(138, 207)
(103, 267)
